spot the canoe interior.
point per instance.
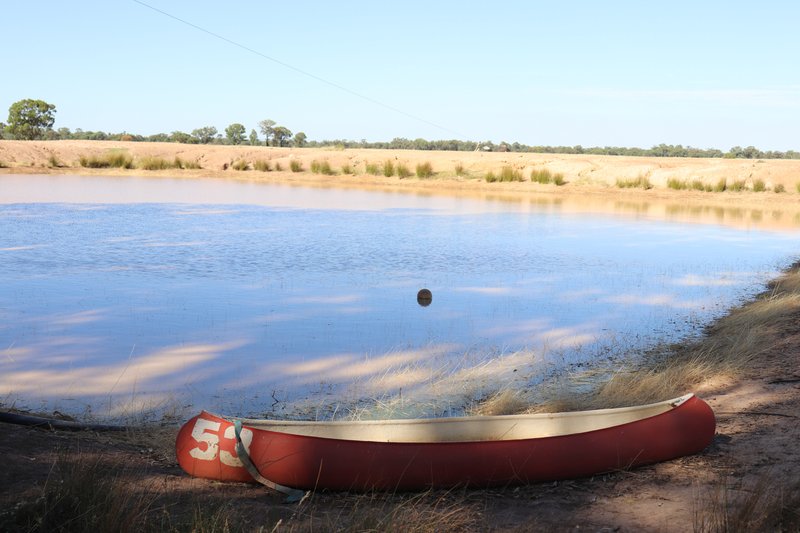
(470, 429)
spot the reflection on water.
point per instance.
(255, 295)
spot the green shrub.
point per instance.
(779, 188)
(641, 182)
(262, 165)
(759, 185)
(403, 171)
(490, 177)
(295, 165)
(388, 168)
(425, 170)
(510, 174)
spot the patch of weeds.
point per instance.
(641, 182)
(295, 165)
(510, 174)
(698, 185)
(425, 170)
(402, 171)
(241, 164)
(490, 177)
(779, 188)
(374, 169)
(347, 169)
(459, 168)
(388, 168)
(721, 186)
(558, 179)
(262, 165)
(759, 185)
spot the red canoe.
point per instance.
(475, 451)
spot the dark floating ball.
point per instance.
(424, 297)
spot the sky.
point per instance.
(614, 73)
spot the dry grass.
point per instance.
(504, 402)
(760, 507)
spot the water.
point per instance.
(136, 296)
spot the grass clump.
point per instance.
(640, 182)
(510, 174)
(402, 171)
(322, 167)
(278, 167)
(758, 506)
(372, 168)
(490, 177)
(676, 184)
(52, 161)
(295, 165)
(541, 175)
(779, 188)
(154, 163)
(721, 186)
(425, 170)
(262, 165)
(459, 169)
(110, 160)
(347, 168)
(241, 164)
(185, 164)
(759, 186)
(738, 186)
(388, 168)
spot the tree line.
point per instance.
(33, 119)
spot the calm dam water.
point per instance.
(128, 295)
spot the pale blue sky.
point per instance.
(706, 74)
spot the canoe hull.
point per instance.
(206, 448)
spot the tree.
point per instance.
(235, 133)
(280, 135)
(29, 119)
(299, 139)
(205, 134)
(253, 138)
(267, 127)
(181, 137)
